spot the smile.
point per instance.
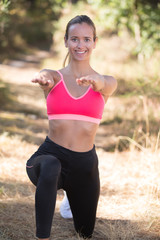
(81, 52)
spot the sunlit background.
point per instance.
(127, 141)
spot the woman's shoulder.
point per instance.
(110, 84)
(63, 71)
(108, 77)
(111, 79)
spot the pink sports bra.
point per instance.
(62, 105)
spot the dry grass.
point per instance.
(129, 202)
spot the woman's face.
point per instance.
(80, 42)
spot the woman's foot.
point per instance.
(65, 209)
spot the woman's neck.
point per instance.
(79, 69)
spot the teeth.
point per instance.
(81, 52)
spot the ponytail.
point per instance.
(66, 57)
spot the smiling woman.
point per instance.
(87, 33)
(75, 97)
(80, 43)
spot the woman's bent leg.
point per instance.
(83, 202)
(83, 197)
(47, 169)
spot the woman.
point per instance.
(67, 159)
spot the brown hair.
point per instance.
(79, 19)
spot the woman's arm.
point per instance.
(106, 85)
(109, 85)
(45, 78)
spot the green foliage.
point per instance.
(27, 23)
(117, 119)
(141, 86)
(4, 19)
(5, 97)
(140, 18)
(33, 22)
(1, 191)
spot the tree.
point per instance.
(140, 17)
(4, 20)
(27, 23)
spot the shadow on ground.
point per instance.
(23, 112)
(18, 222)
(17, 219)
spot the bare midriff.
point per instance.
(72, 134)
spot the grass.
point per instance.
(128, 206)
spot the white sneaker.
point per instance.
(65, 210)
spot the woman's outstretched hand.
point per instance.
(99, 83)
(96, 81)
(45, 80)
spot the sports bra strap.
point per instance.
(60, 74)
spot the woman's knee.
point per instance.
(50, 168)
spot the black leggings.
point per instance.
(53, 167)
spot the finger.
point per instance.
(87, 81)
(81, 80)
(42, 81)
(47, 82)
(50, 83)
(35, 77)
(84, 82)
(34, 80)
